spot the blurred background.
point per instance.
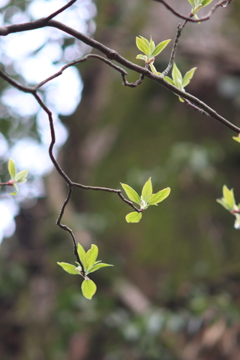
(173, 292)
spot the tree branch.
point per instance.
(113, 55)
(189, 17)
(174, 48)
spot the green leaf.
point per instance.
(133, 217)
(98, 266)
(153, 69)
(142, 57)
(145, 40)
(91, 257)
(168, 79)
(228, 196)
(147, 191)
(222, 202)
(131, 193)
(188, 76)
(82, 254)
(206, 2)
(236, 138)
(159, 196)
(21, 176)
(16, 190)
(142, 45)
(151, 46)
(177, 76)
(69, 268)
(11, 168)
(191, 2)
(160, 47)
(88, 288)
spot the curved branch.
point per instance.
(222, 3)
(113, 55)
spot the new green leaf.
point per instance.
(133, 217)
(160, 47)
(143, 45)
(229, 197)
(188, 76)
(131, 193)
(206, 2)
(177, 76)
(98, 266)
(236, 138)
(69, 268)
(159, 196)
(88, 288)
(82, 254)
(147, 191)
(91, 257)
(11, 168)
(21, 176)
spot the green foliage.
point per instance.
(16, 177)
(178, 80)
(149, 49)
(147, 198)
(90, 265)
(228, 202)
(237, 138)
(88, 288)
(197, 5)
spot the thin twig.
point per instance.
(174, 48)
(85, 58)
(60, 10)
(189, 18)
(116, 191)
(196, 108)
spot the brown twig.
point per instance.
(174, 48)
(113, 55)
(189, 18)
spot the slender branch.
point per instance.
(113, 55)
(189, 18)
(60, 10)
(85, 58)
(116, 191)
(6, 183)
(66, 228)
(174, 48)
(196, 108)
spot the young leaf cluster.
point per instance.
(228, 202)
(146, 199)
(16, 177)
(197, 5)
(90, 264)
(149, 49)
(178, 80)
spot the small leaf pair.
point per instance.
(197, 5)
(178, 80)
(90, 264)
(16, 178)
(149, 49)
(147, 199)
(228, 202)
